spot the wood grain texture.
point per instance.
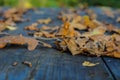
(113, 65)
(50, 64)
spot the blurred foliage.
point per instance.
(59, 3)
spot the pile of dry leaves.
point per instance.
(78, 34)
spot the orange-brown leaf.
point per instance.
(66, 30)
(20, 40)
(44, 21)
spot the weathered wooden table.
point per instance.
(50, 64)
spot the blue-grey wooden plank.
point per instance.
(49, 64)
(114, 66)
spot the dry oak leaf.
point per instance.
(66, 30)
(32, 27)
(114, 54)
(49, 28)
(38, 34)
(96, 31)
(20, 40)
(61, 45)
(77, 34)
(77, 19)
(10, 22)
(44, 21)
(110, 46)
(87, 22)
(115, 37)
(44, 34)
(72, 46)
(45, 27)
(47, 34)
(4, 26)
(78, 26)
(100, 37)
(81, 41)
(15, 14)
(7, 14)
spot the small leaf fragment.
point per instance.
(44, 21)
(29, 64)
(11, 27)
(89, 64)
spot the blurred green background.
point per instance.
(59, 3)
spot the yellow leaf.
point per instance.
(89, 64)
(11, 28)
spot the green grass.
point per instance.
(63, 3)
